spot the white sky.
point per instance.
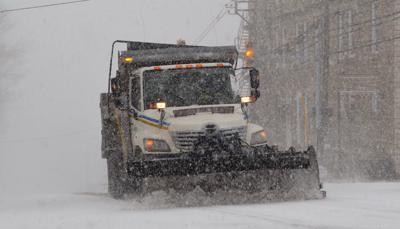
(50, 138)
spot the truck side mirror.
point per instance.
(115, 86)
(255, 93)
(254, 78)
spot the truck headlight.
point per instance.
(259, 137)
(247, 99)
(156, 145)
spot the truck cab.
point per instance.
(173, 105)
(175, 95)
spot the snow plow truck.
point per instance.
(171, 119)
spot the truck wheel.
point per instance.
(116, 186)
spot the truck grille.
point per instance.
(184, 140)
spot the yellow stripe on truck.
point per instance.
(152, 124)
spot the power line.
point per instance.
(369, 44)
(213, 23)
(315, 25)
(204, 34)
(289, 48)
(362, 46)
(42, 6)
(381, 20)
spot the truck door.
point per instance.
(135, 105)
(135, 94)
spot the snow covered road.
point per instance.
(358, 205)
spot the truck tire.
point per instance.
(116, 185)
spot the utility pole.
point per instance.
(322, 92)
(240, 8)
(243, 9)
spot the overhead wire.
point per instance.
(289, 52)
(380, 20)
(43, 6)
(210, 26)
(316, 23)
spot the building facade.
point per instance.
(331, 78)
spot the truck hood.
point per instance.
(194, 118)
(197, 122)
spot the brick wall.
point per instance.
(362, 105)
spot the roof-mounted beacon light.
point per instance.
(158, 105)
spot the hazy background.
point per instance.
(53, 71)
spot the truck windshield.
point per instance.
(185, 87)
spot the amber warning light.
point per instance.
(128, 59)
(249, 53)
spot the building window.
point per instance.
(340, 35)
(349, 31)
(298, 118)
(284, 44)
(277, 39)
(344, 33)
(297, 40)
(355, 104)
(305, 41)
(317, 44)
(300, 41)
(375, 22)
(277, 47)
(375, 102)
